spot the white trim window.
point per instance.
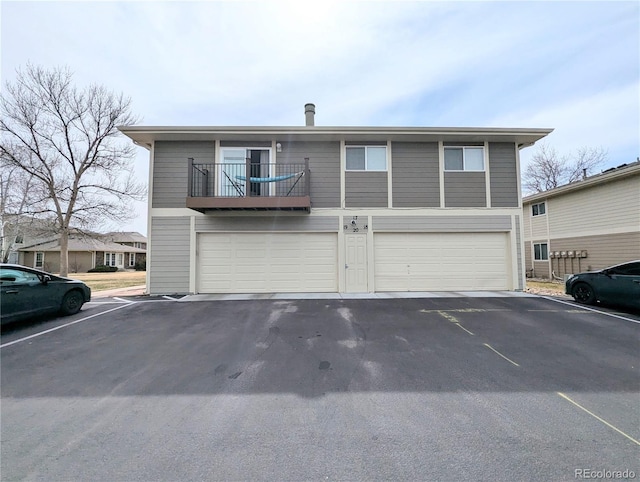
(538, 209)
(114, 259)
(132, 260)
(464, 158)
(38, 261)
(366, 158)
(109, 259)
(540, 251)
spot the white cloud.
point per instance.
(569, 65)
(609, 119)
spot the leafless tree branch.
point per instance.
(548, 170)
(65, 140)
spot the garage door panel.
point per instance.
(440, 261)
(267, 262)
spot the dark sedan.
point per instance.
(29, 293)
(618, 285)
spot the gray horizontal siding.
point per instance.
(442, 224)
(324, 164)
(465, 190)
(365, 143)
(266, 144)
(171, 172)
(279, 223)
(503, 175)
(415, 168)
(169, 256)
(462, 144)
(366, 189)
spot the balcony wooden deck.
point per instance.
(267, 187)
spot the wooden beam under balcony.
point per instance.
(250, 203)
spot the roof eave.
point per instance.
(146, 135)
(585, 183)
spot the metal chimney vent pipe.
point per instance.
(309, 114)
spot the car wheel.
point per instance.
(583, 293)
(71, 303)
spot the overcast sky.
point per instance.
(572, 66)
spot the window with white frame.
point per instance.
(366, 158)
(110, 259)
(132, 259)
(39, 259)
(467, 158)
(538, 209)
(540, 251)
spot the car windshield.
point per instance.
(628, 269)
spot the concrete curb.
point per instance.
(129, 291)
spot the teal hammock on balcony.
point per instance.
(270, 179)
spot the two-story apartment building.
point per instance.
(583, 226)
(334, 209)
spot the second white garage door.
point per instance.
(441, 261)
(267, 262)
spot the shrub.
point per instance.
(100, 268)
(140, 266)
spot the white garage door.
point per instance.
(441, 261)
(267, 262)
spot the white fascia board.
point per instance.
(145, 135)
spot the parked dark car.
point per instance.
(619, 285)
(27, 293)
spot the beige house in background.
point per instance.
(86, 253)
(584, 226)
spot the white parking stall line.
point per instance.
(500, 354)
(110, 302)
(123, 300)
(599, 419)
(35, 335)
(582, 307)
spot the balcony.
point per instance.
(248, 186)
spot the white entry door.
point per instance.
(356, 279)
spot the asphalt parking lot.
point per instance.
(322, 389)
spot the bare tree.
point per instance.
(547, 170)
(14, 192)
(66, 140)
(22, 205)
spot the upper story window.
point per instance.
(464, 158)
(366, 158)
(538, 209)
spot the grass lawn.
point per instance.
(109, 281)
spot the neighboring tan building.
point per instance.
(334, 209)
(86, 252)
(583, 226)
